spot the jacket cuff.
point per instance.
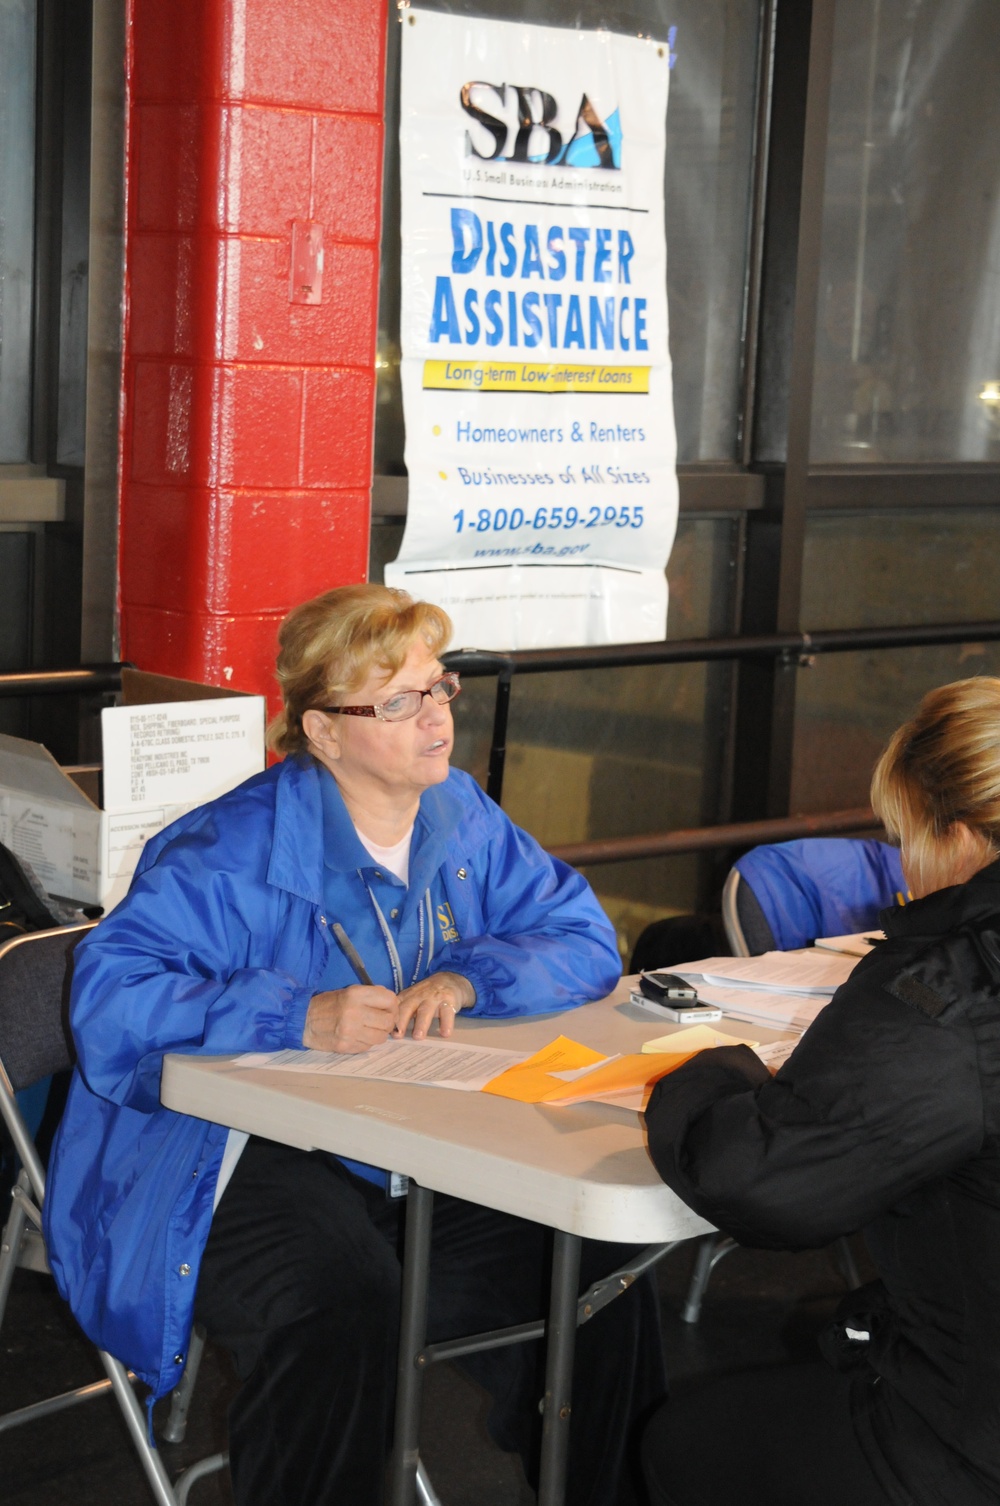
(713, 1074)
(479, 979)
(295, 1017)
(477, 976)
(681, 1097)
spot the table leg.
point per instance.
(412, 1338)
(559, 1368)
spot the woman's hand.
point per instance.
(441, 995)
(350, 1019)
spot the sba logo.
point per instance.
(520, 117)
(446, 921)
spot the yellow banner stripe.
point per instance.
(523, 376)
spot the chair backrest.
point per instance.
(789, 893)
(34, 992)
(744, 922)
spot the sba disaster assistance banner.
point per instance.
(535, 370)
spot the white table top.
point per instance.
(584, 1169)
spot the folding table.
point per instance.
(583, 1171)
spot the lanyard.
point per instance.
(426, 931)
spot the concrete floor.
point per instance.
(761, 1308)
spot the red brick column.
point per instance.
(254, 153)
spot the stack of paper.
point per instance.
(812, 973)
(778, 1011)
(857, 945)
(783, 990)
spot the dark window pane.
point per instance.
(908, 337)
(707, 192)
(871, 569)
(16, 564)
(17, 191)
(74, 239)
(849, 705)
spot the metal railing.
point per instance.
(790, 648)
(89, 679)
(713, 838)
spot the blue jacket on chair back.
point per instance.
(822, 886)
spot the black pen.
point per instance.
(350, 951)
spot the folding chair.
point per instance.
(783, 895)
(35, 1043)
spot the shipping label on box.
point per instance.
(179, 753)
(160, 761)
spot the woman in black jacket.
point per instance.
(885, 1118)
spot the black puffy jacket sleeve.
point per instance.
(882, 1094)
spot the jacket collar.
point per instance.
(441, 809)
(296, 862)
(313, 830)
(947, 909)
(343, 851)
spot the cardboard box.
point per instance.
(170, 746)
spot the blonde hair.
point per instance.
(942, 767)
(329, 647)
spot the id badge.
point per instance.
(398, 1184)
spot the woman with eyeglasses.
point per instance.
(356, 890)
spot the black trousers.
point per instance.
(300, 1280)
(775, 1437)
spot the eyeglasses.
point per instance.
(407, 703)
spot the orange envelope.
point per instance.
(532, 1081)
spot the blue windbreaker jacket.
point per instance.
(822, 886)
(218, 947)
